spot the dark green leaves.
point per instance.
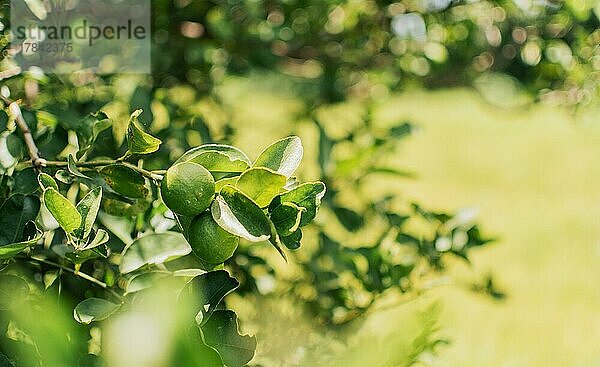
(154, 248)
(206, 291)
(138, 141)
(125, 181)
(221, 332)
(14, 214)
(94, 309)
(47, 181)
(307, 196)
(239, 215)
(283, 156)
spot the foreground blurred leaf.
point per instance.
(221, 332)
(94, 309)
(62, 210)
(5, 362)
(154, 248)
(283, 156)
(138, 141)
(13, 291)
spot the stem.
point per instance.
(145, 173)
(85, 276)
(32, 149)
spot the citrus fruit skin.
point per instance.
(187, 188)
(210, 242)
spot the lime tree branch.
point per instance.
(103, 163)
(32, 149)
(85, 276)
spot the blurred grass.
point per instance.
(534, 175)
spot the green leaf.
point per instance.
(350, 219)
(14, 215)
(261, 185)
(144, 281)
(239, 215)
(88, 208)
(100, 238)
(308, 196)
(72, 167)
(206, 291)
(224, 182)
(125, 181)
(47, 181)
(293, 240)
(286, 218)
(138, 141)
(154, 248)
(283, 156)
(31, 235)
(221, 332)
(62, 210)
(94, 309)
(25, 182)
(217, 158)
(13, 290)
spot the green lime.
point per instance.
(187, 188)
(210, 242)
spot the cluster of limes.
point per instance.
(188, 189)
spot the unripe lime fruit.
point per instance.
(187, 188)
(210, 242)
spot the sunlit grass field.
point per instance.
(534, 175)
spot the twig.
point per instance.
(85, 276)
(146, 173)
(15, 110)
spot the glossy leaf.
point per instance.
(239, 215)
(286, 218)
(261, 185)
(47, 181)
(283, 156)
(221, 332)
(88, 208)
(62, 210)
(308, 196)
(154, 248)
(100, 238)
(125, 181)
(94, 309)
(72, 167)
(139, 141)
(292, 241)
(217, 158)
